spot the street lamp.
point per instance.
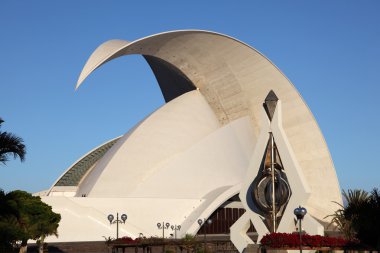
(175, 228)
(123, 217)
(164, 225)
(300, 212)
(205, 222)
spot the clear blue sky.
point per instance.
(330, 50)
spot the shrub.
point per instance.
(285, 240)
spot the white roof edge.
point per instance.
(49, 190)
(92, 66)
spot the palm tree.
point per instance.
(355, 197)
(341, 223)
(365, 219)
(11, 145)
(353, 200)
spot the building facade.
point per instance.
(190, 159)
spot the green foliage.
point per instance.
(189, 242)
(11, 145)
(108, 239)
(360, 217)
(24, 217)
(365, 219)
(338, 218)
(342, 224)
(355, 197)
(9, 227)
(189, 238)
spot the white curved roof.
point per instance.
(187, 158)
(234, 79)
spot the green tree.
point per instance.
(27, 217)
(10, 231)
(351, 198)
(365, 219)
(359, 218)
(355, 197)
(10, 145)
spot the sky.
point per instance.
(330, 51)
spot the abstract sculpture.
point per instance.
(274, 182)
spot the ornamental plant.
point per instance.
(359, 218)
(286, 240)
(128, 240)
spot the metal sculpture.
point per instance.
(270, 190)
(274, 183)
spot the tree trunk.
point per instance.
(41, 245)
(24, 246)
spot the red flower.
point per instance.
(127, 240)
(285, 240)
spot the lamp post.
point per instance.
(175, 228)
(164, 225)
(300, 212)
(205, 222)
(123, 217)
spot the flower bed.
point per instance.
(141, 241)
(285, 240)
(127, 240)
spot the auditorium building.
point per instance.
(234, 138)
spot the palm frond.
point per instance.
(11, 145)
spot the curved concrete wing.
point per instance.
(105, 52)
(234, 78)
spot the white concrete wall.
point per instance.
(85, 219)
(185, 187)
(169, 131)
(235, 78)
